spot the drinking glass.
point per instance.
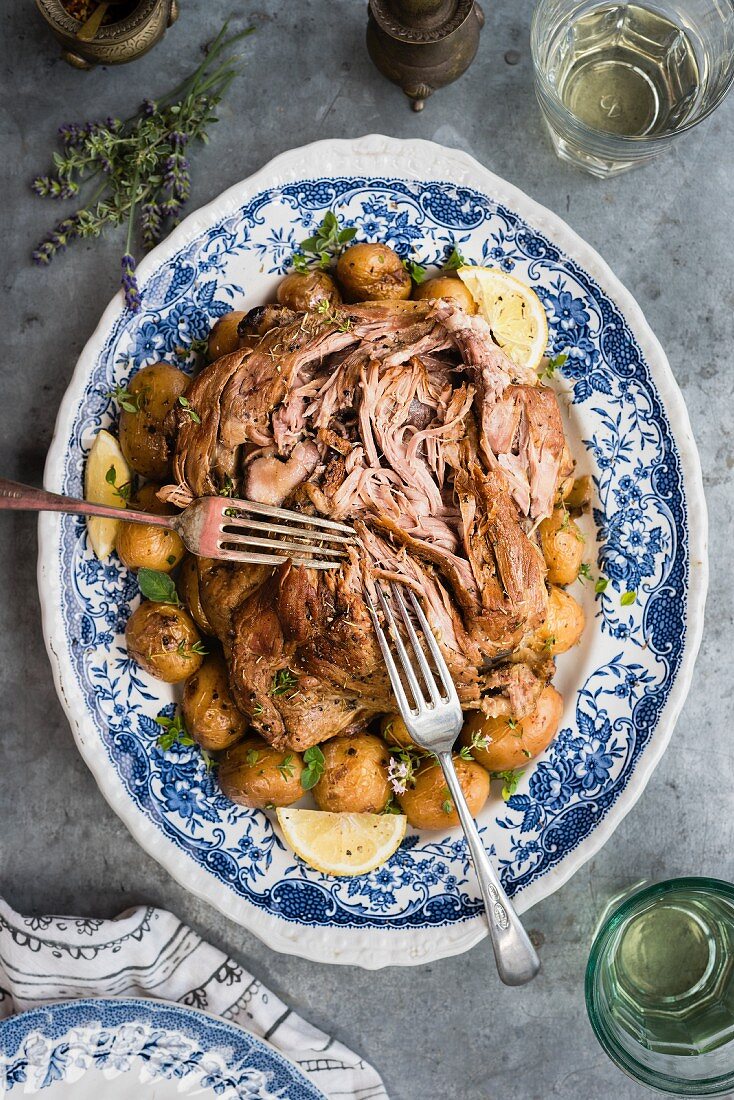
(660, 986)
(617, 82)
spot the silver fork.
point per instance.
(434, 723)
(215, 527)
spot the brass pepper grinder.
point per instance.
(423, 45)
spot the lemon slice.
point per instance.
(512, 310)
(101, 488)
(342, 844)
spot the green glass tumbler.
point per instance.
(660, 986)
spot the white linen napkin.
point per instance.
(148, 952)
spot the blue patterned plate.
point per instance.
(83, 1050)
(623, 685)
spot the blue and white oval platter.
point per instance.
(623, 685)
(119, 1049)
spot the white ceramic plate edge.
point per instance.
(413, 159)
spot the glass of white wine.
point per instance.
(618, 81)
(660, 986)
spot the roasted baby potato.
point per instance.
(190, 593)
(209, 711)
(428, 804)
(372, 272)
(446, 286)
(564, 623)
(354, 779)
(223, 337)
(146, 445)
(163, 639)
(303, 290)
(581, 493)
(393, 729)
(511, 744)
(255, 774)
(563, 546)
(141, 547)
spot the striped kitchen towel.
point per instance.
(148, 952)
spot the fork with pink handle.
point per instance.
(215, 527)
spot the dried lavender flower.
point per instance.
(130, 283)
(138, 166)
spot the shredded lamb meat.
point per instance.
(414, 426)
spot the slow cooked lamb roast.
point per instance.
(408, 421)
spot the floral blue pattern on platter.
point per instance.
(150, 1044)
(615, 684)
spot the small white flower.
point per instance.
(398, 773)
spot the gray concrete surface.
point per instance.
(449, 1029)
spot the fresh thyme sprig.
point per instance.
(510, 780)
(126, 400)
(123, 491)
(416, 271)
(315, 762)
(551, 365)
(137, 169)
(453, 261)
(324, 246)
(174, 732)
(283, 680)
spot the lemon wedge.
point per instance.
(512, 310)
(342, 844)
(102, 488)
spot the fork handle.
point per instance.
(517, 959)
(25, 498)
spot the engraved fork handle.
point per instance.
(24, 498)
(517, 959)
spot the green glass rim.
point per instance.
(713, 1086)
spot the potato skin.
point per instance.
(141, 547)
(154, 633)
(223, 335)
(355, 775)
(393, 730)
(564, 623)
(249, 775)
(512, 747)
(423, 803)
(210, 713)
(446, 286)
(302, 290)
(190, 594)
(372, 272)
(145, 443)
(581, 493)
(563, 546)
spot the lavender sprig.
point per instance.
(139, 166)
(130, 283)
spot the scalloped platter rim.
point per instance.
(159, 1050)
(623, 686)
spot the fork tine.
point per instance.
(281, 529)
(305, 548)
(426, 669)
(286, 513)
(402, 652)
(446, 679)
(392, 669)
(278, 559)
